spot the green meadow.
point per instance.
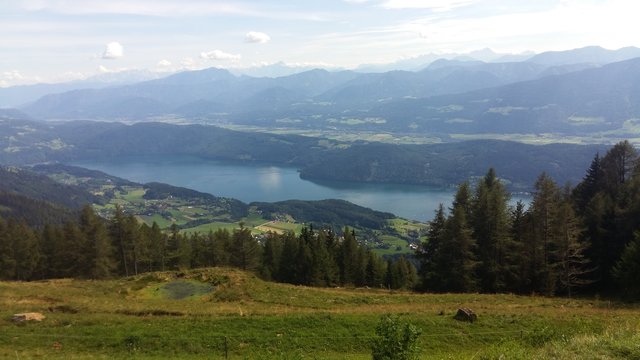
(221, 313)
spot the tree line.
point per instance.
(94, 248)
(586, 237)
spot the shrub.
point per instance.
(395, 340)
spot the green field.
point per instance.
(209, 312)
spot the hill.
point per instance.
(435, 164)
(218, 312)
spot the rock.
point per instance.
(466, 314)
(32, 316)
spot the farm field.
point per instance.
(217, 313)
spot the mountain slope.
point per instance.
(599, 99)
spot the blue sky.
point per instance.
(55, 40)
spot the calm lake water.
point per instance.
(251, 182)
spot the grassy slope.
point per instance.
(123, 318)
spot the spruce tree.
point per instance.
(99, 253)
(491, 231)
(546, 201)
(457, 264)
(7, 257)
(245, 251)
(572, 264)
(429, 253)
(627, 270)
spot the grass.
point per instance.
(129, 317)
(396, 246)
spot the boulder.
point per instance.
(466, 314)
(31, 316)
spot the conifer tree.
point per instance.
(429, 253)
(517, 280)
(99, 252)
(627, 270)
(490, 222)
(272, 256)
(245, 250)
(457, 264)
(544, 239)
(7, 258)
(572, 265)
(349, 258)
(221, 240)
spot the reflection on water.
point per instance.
(251, 182)
(270, 179)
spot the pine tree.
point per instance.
(122, 238)
(221, 240)
(289, 271)
(272, 256)
(7, 257)
(349, 258)
(618, 166)
(245, 251)
(376, 270)
(592, 183)
(100, 254)
(457, 264)
(517, 280)
(429, 253)
(491, 231)
(544, 239)
(572, 265)
(627, 270)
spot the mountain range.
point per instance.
(578, 92)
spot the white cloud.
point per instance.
(105, 70)
(15, 77)
(112, 51)
(164, 63)
(256, 37)
(12, 75)
(219, 55)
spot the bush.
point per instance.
(395, 340)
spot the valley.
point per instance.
(205, 210)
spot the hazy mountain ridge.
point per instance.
(598, 99)
(425, 101)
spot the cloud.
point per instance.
(164, 63)
(112, 51)
(219, 55)
(15, 77)
(256, 37)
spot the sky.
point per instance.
(61, 40)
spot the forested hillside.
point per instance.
(92, 248)
(435, 164)
(587, 237)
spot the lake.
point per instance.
(259, 182)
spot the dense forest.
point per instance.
(94, 248)
(584, 238)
